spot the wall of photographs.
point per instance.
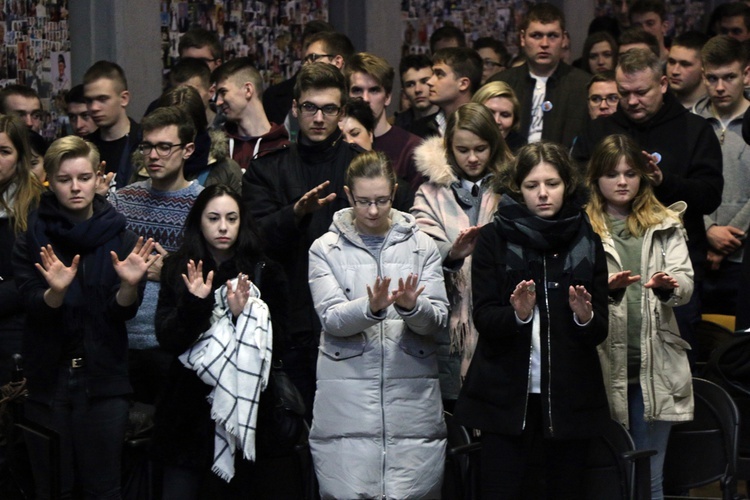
(268, 31)
(36, 52)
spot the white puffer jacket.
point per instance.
(665, 373)
(378, 428)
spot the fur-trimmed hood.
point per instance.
(219, 150)
(432, 162)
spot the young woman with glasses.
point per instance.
(377, 285)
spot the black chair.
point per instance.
(615, 469)
(461, 477)
(704, 450)
(729, 367)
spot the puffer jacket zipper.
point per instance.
(549, 350)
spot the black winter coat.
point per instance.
(494, 395)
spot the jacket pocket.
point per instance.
(339, 348)
(672, 362)
(417, 345)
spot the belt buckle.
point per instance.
(76, 363)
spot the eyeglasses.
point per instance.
(311, 58)
(489, 64)
(597, 99)
(379, 202)
(310, 109)
(163, 149)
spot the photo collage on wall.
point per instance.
(36, 53)
(268, 31)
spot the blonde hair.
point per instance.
(67, 148)
(370, 165)
(28, 187)
(500, 89)
(646, 211)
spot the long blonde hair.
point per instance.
(645, 210)
(28, 187)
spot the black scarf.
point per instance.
(529, 236)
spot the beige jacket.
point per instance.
(665, 373)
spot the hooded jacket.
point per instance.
(245, 149)
(378, 429)
(691, 162)
(665, 372)
(90, 323)
(440, 212)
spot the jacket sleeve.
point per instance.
(181, 317)
(31, 284)
(702, 183)
(338, 315)
(10, 300)
(677, 264)
(596, 330)
(431, 312)
(493, 314)
(428, 220)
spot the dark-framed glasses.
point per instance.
(163, 149)
(597, 99)
(310, 109)
(311, 58)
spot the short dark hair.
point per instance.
(531, 155)
(240, 68)
(604, 76)
(198, 38)
(722, 50)
(413, 61)
(319, 76)
(187, 98)
(736, 10)
(106, 69)
(75, 95)
(447, 32)
(16, 89)
(335, 43)
(694, 40)
(487, 42)
(170, 115)
(360, 111)
(464, 62)
(637, 35)
(375, 66)
(544, 13)
(315, 26)
(188, 68)
(646, 6)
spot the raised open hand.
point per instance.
(580, 302)
(58, 275)
(237, 298)
(523, 299)
(662, 280)
(407, 292)
(622, 279)
(464, 243)
(194, 279)
(379, 295)
(313, 200)
(135, 265)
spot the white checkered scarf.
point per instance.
(230, 357)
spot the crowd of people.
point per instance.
(528, 244)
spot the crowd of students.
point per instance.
(526, 245)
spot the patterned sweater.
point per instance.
(159, 215)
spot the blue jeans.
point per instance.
(652, 435)
(91, 431)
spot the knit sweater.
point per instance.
(159, 215)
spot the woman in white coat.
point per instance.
(644, 359)
(377, 285)
(451, 206)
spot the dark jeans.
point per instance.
(506, 461)
(91, 432)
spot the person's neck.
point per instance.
(382, 126)
(120, 129)
(457, 103)
(254, 125)
(543, 71)
(619, 213)
(170, 185)
(425, 112)
(729, 114)
(689, 99)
